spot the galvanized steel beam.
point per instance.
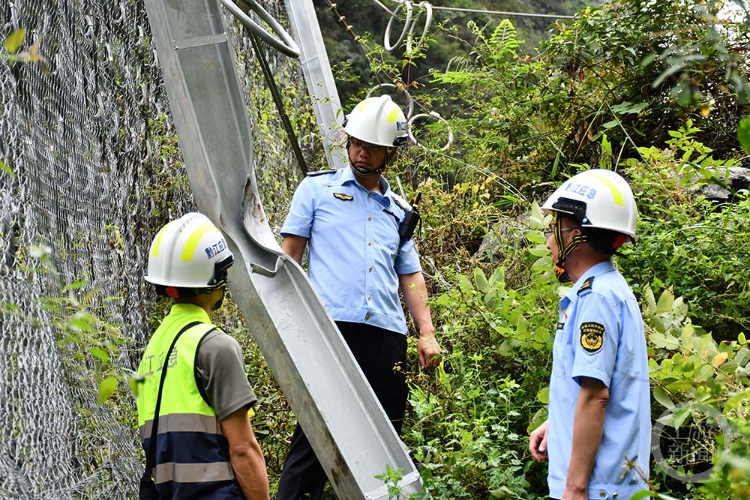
(343, 420)
(321, 85)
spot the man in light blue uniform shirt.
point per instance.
(599, 408)
(355, 256)
(358, 262)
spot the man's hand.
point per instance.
(538, 442)
(571, 494)
(428, 351)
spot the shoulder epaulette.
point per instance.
(586, 287)
(321, 172)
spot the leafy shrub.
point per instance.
(687, 241)
(697, 382)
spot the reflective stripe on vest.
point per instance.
(191, 448)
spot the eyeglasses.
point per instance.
(370, 148)
(549, 231)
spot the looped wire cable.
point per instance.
(285, 45)
(427, 6)
(423, 116)
(406, 5)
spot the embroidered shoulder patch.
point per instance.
(586, 285)
(342, 196)
(592, 337)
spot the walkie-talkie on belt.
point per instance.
(409, 224)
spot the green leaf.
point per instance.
(498, 276)
(106, 388)
(665, 341)
(522, 328)
(505, 348)
(443, 300)
(742, 356)
(645, 62)
(536, 237)
(743, 134)
(734, 401)
(6, 168)
(464, 284)
(680, 386)
(626, 107)
(541, 335)
(538, 419)
(14, 40)
(643, 494)
(650, 300)
(537, 215)
(481, 280)
(543, 396)
(681, 416)
(75, 286)
(490, 299)
(666, 300)
(100, 353)
(542, 264)
(539, 251)
(662, 397)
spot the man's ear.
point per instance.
(391, 154)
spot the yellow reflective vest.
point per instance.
(192, 453)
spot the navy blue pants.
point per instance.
(378, 352)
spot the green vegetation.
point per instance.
(656, 90)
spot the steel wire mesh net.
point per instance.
(96, 171)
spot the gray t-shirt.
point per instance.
(220, 372)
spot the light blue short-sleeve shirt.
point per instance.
(600, 335)
(355, 256)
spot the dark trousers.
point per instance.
(378, 352)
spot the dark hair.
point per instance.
(604, 241)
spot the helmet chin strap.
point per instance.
(363, 172)
(562, 275)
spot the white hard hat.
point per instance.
(189, 252)
(598, 199)
(377, 120)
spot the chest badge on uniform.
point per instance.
(342, 196)
(592, 337)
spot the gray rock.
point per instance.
(738, 178)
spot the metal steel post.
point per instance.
(319, 78)
(315, 369)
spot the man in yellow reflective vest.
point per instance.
(205, 446)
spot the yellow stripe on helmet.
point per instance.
(157, 240)
(360, 107)
(193, 240)
(616, 193)
(393, 115)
